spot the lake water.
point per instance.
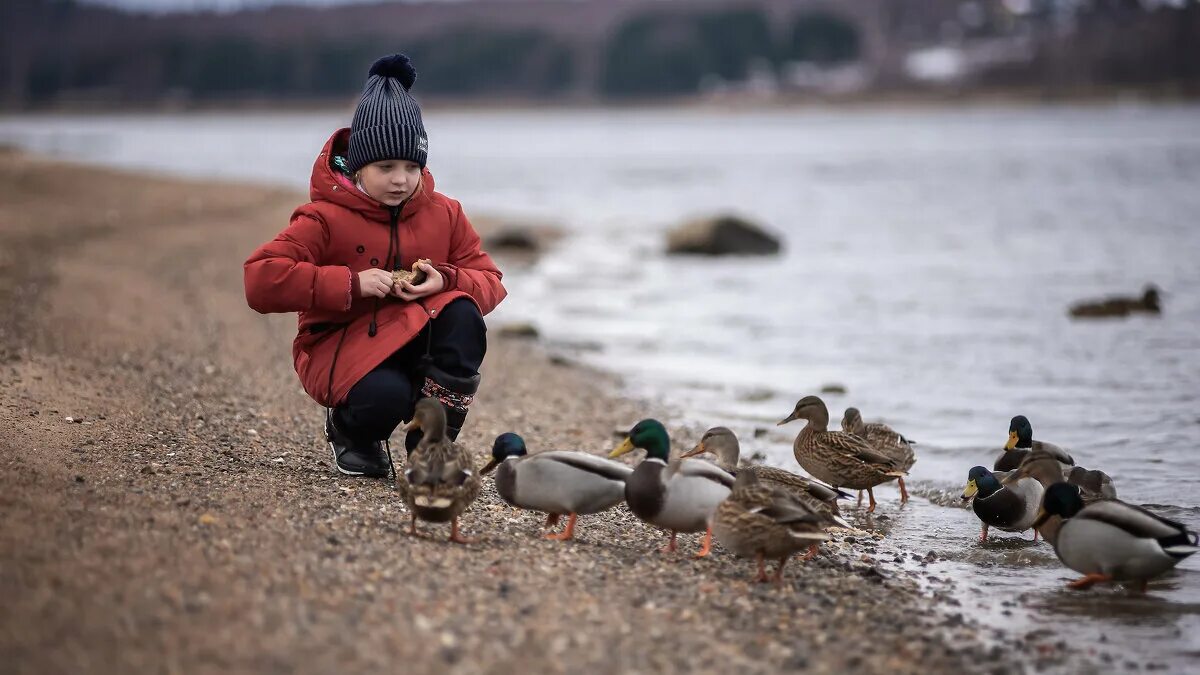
(930, 255)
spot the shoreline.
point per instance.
(914, 99)
(192, 520)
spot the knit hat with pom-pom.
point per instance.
(387, 122)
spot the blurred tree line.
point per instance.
(231, 66)
(54, 51)
(664, 54)
(655, 54)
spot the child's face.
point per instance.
(390, 181)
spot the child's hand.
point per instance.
(433, 283)
(374, 283)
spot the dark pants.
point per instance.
(383, 398)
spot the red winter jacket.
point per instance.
(311, 268)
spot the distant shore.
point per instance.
(933, 97)
(170, 506)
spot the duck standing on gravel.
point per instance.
(723, 443)
(556, 482)
(440, 481)
(677, 495)
(843, 460)
(1020, 446)
(1003, 500)
(760, 521)
(1110, 540)
(885, 440)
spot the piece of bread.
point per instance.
(414, 276)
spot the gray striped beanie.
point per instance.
(387, 122)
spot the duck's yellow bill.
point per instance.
(970, 490)
(1012, 441)
(625, 447)
(698, 450)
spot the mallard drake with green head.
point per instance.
(761, 522)
(1003, 500)
(1110, 540)
(843, 460)
(556, 482)
(723, 443)
(440, 481)
(677, 495)
(1021, 445)
(884, 439)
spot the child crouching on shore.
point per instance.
(368, 346)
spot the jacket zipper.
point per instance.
(393, 260)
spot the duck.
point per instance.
(1048, 469)
(677, 495)
(555, 482)
(1111, 540)
(1003, 500)
(441, 480)
(886, 440)
(760, 521)
(723, 443)
(1150, 302)
(1021, 445)
(843, 460)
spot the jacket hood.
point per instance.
(328, 185)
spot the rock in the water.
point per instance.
(833, 388)
(757, 395)
(721, 235)
(526, 331)
(512, 239)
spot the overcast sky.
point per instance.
(225, 5)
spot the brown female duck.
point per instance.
(440, 481)
(843, 460)
(759, 521)
(885, 440)
(723, 443)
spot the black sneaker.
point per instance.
(369, 460)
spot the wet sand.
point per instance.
(187, 518)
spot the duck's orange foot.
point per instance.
(1088, 580)
(761, 577)
(778, 578)
(568, 531)
(670, 547)
(705, 544)
(412, 530)
(457, 537)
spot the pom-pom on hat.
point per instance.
(387, 122)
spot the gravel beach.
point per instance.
(169, 505)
